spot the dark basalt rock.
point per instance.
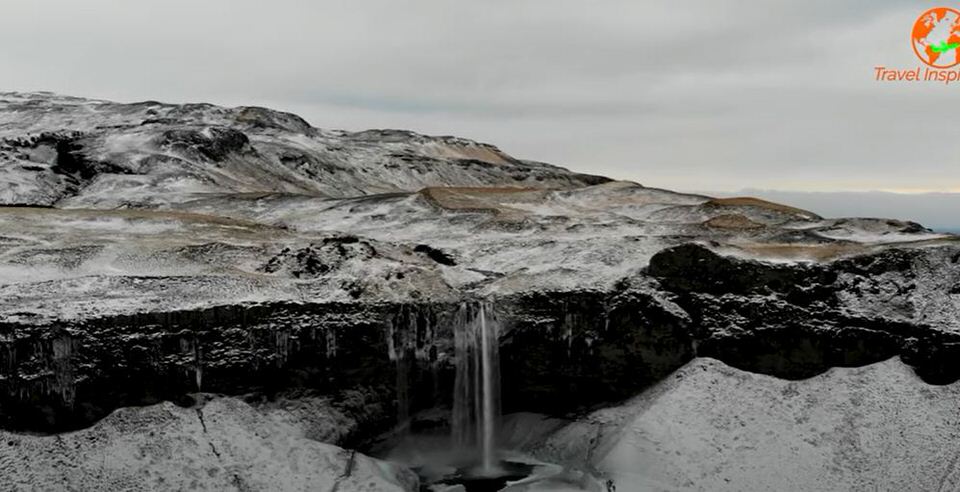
(213, 143)
(72, 161)
(560, 352)
(569, 351)
(65, 376)
(790, 321)
(70, 157)
(797, 351)
(318, 259)
(694, 268)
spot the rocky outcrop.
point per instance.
(796, 321)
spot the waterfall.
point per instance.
(198, 364)
(476, 398)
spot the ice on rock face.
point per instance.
(414, 344)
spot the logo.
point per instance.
(935, 40)
(936, 37)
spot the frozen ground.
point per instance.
(712, 427)
(163, 207)
(224, 444)
(68, 263)
(706, 427)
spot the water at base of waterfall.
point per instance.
(474, 480)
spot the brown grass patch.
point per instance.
(817, 252)
(747, 201)
(137, 214)
(475, 199)
(732, 221)
(485, 154)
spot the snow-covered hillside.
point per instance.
(712, 427)
(150, 251)
(73, 152)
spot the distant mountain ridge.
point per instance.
(936, 210)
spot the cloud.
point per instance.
(698, 94)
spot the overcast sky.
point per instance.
(691, 95)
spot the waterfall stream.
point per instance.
(476, 399)
(470, 457)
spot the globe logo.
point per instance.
(936, 37)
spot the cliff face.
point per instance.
(156, 251)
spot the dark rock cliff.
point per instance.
(560, 351)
